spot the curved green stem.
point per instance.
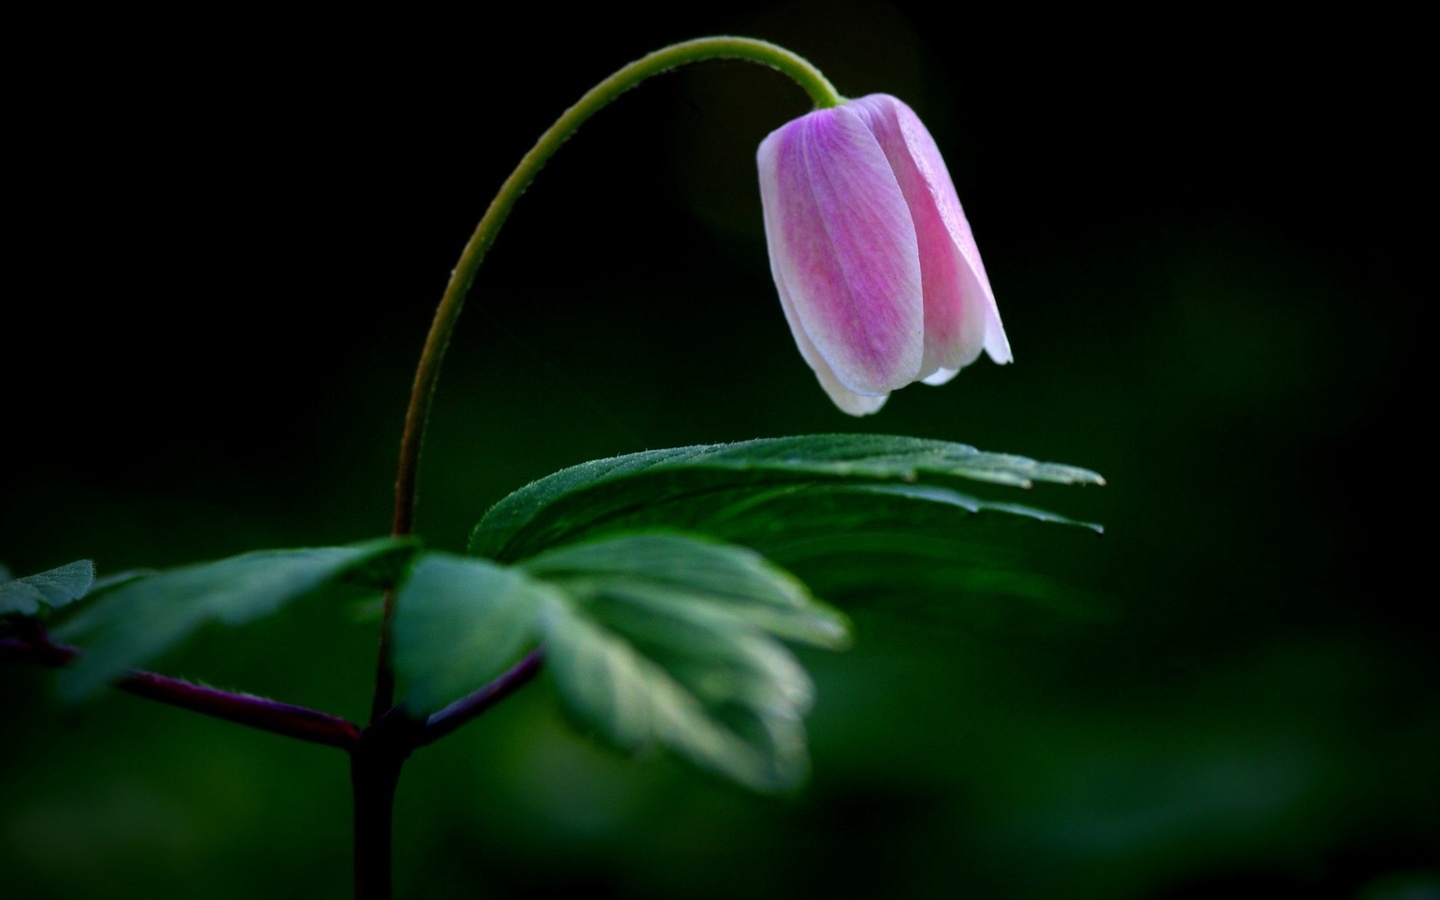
(804, 74)
(795, 67)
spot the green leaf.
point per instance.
(110, 582)
(686, 576)
(729, 700)
(811, 517)
(915, 551)
(654, 640)
(668, 640)
(459, 622)
(47, 590)
(142, 616)
(691, 487)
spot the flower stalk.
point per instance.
(814, 289)
(376, 762)
(822, 93)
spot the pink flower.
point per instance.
(877, 271)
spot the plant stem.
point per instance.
(375, 765)
(373, 784)
(428, 372)
(377, 759)
(283, 719)
(467, 708)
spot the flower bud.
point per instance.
(877, 271)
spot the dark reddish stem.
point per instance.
(244, 709)
(375, 765)
(376, 754)
(469, 707)
(374, 772)
(285, 719)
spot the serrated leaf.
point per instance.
(776, 519)
(793, 522)
(47, 590)
(666, 639)
(687, 576)
(669, 485)
(904, 548)
(728, 699)
(143, 616)
(656, 639)
(459, 622)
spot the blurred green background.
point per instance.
(229, 233)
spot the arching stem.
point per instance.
(427, 374)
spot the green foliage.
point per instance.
(672, 640)
(852, 515)
(141, 616)
(715, 488)
(809, 519)
(905, 544)
(663, 570)
(662, 638)
(653, 581)
(459, 622)
(653, 639)
(47, 590)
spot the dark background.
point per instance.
(229, 232)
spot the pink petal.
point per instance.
(846, 400)
(961, 317)
(844, 255)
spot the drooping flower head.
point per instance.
(873, 258)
